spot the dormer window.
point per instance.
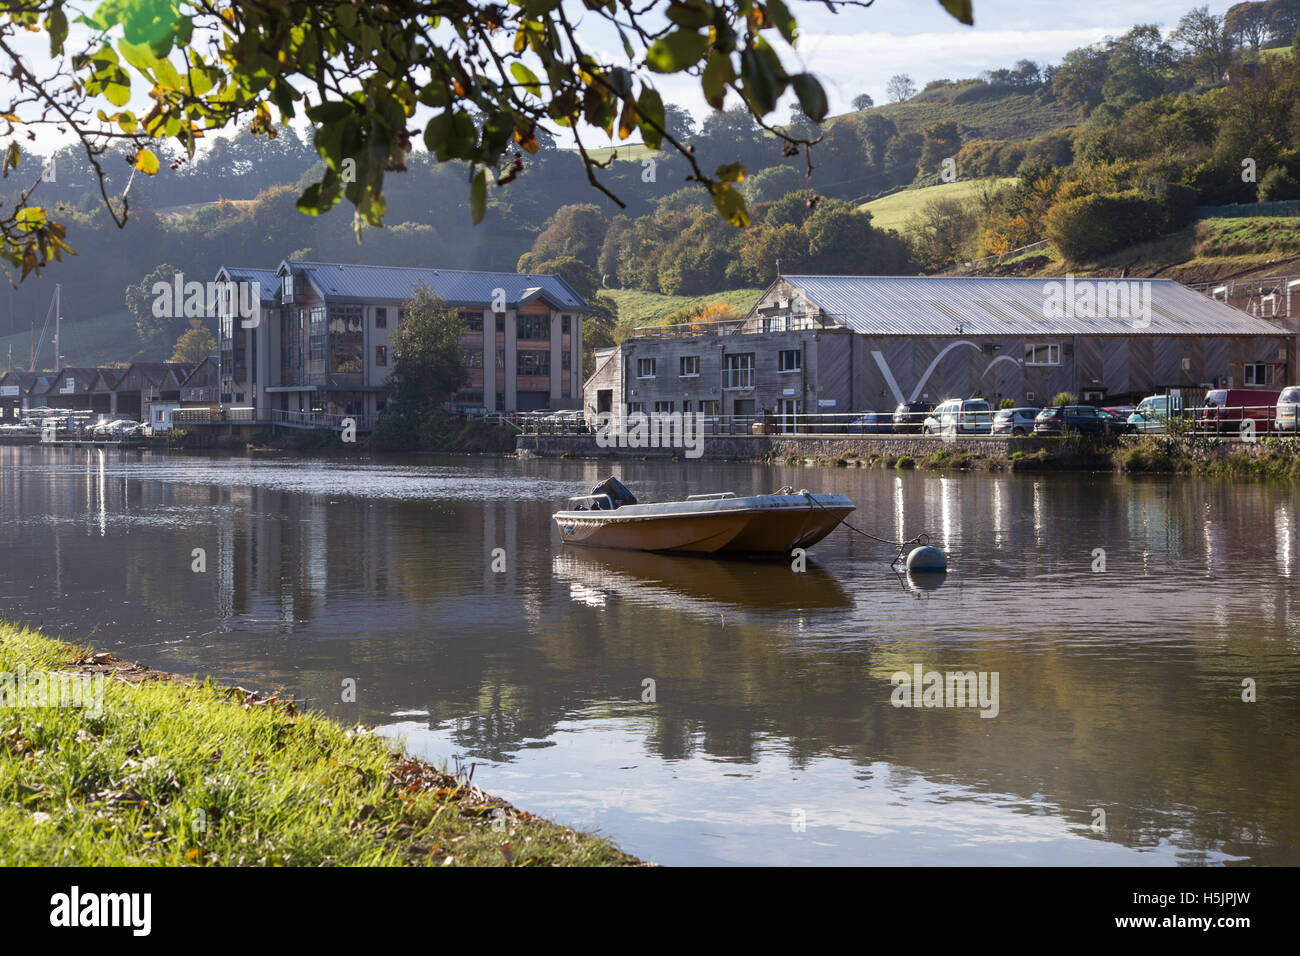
(286, 287)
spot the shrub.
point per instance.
(1007, 403)
(1090, 226)
(905, 461)
(1064, 398)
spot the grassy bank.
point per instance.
(1270, 457)
(169, 771)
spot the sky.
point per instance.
(858, 50)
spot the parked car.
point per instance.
(1225, 409)
(873, 423)
(1288, 410)
(1014, 421)
(961, 416)
(1078, 420)
(910, 416)
(1152, 413)
(1118, 423)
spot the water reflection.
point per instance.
(772, 688)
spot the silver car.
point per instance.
(1288, 410)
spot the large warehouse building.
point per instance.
(836, 344)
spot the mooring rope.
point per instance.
(921, 539)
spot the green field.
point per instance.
(649, 308)
(893, 211)
(981, 112)
(103, 340)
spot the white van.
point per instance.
(1152, 413)
(960, 416)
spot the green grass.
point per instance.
(1255, 235)
(102, 340)
(625, 151)
(893, 211)
(636, 307)
(980, 112)
(189, 773)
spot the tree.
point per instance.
(942, 141)
(575, 230)
(900, 87)
(1202, 36)
(195, 345)
(427, 368)
(1247, 24)
(359, 72)
(1283, 18)
(1079, 78)
(863, 101)
(156, 331)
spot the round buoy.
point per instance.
(927, 558)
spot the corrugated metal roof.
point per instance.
(268, 283)
(362, 283)
(939, 305)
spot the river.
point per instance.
(722, 712)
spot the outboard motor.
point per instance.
(616, 490)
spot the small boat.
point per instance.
(611, 517)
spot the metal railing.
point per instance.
(204, 416)
(361, 421)
(1201, 420)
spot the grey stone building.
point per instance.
(835, 345)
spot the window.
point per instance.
(635, 408)
(744, 407)
(532, 327)
(533, 362)
(663, 408)
(645, 368)
(565, 323)
(739, 371)
(709, 406)
(791, 360)
(286, 287)
(690, 366)
(381, 355)
(316, 347)
(473, 321)
(565, 359)
(1257, 374)
(1042, 354)
(774, 323)
(381, 319)
(501, 322)
(471, 358)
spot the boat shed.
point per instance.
(834, 344)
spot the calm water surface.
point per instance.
(771, 737)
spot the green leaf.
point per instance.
(963, 10)
(717, 73)
(731, 204)
(690, 13)
(56, 24)
(762, 88)
(651, 107)
(478, 196)
(782, 19)
(526, 78)
(677, 51)
(731, 173)
(812, 98)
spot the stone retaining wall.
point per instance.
(781, 447)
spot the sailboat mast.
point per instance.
(58, 316)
